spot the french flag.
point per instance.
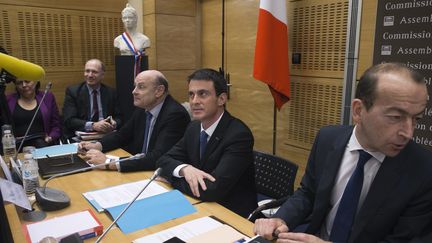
(271, 51)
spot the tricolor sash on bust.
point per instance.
(137, 53)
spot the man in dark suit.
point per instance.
(156, 125)
(394, 198)
(88, 104)
(213, 161)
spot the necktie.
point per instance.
(95, 112)
(347, 210)
(203, 142)
(147, 131)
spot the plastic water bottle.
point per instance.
(30, 175)
(9, 147)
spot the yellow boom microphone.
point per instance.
(21, 69)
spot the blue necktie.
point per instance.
(203, 142)
(347, 210)
(147, 130)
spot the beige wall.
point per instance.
(186, 35)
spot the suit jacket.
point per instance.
(169, 127)
(228, 157)
(48, 109)
(399, 203)
(76, 107)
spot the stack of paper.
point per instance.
(86, 136)
(84, 223)
(154, 206)
(204, 229)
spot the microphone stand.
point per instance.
(47, 87)
(156, 174)
(50, 199)
(33, 215)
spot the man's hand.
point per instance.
(269, 228)
(48, 139)
(95, 157)
(299, 237)
(103, 126)
(195, 178)
(83, 147)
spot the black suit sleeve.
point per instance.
(299, 206)
(70, 110)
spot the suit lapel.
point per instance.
(159, 120)
(326, 183)
(104, 100)
(216, 137)
(386, 178)
(83, 93)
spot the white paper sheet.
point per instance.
(123, 194)
(62, 226)
(14, 193)
(183, 231)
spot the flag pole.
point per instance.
(274, 127)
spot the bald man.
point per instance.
(88, 104)
(155, 126)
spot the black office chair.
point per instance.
(274, 179)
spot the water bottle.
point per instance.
(30, 175)
(9, 147)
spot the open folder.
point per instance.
(156, 205)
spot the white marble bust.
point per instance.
(139, 41)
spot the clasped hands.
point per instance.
(105, 125)
(92, 152)
(275, 228)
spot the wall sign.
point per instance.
(404, 34)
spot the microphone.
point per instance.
(21, 69)
(271, 204)
(155, 174)
(47, 88)
(50, 199)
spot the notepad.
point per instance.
(154, 206)
(84, 223)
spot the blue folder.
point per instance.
(152, 210)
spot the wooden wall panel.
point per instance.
(60, 40)
(178, 7)
(318, 32)
(85, 5)
(176, 42)
(367, 36)
(317, 29)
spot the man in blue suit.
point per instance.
(394, 198)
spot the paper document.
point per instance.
(152, 210)
(84, 223)
(5, 169)
(123, 194)
(183, 231)
(14, 193)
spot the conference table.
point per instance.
(76, 184)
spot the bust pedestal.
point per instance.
(124, 69)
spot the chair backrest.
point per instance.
(274, 176)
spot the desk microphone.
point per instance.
(155, 174)
(47, 88)
(50, 199)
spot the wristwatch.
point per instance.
(107, 161)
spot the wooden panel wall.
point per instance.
(317, 30)
(174, 29)
(61, 37)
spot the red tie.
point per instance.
(95, 116)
